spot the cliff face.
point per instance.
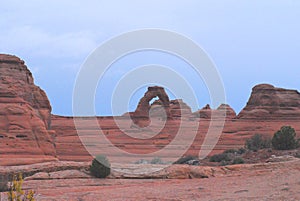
(25, 111)
(269, 102)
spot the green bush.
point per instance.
(230, 151)
(257, 142)
(285, 139)
(238, 161)
(220, 157)
(100, 167)
(224, 163)
(185, 159)
(156, 160)
(241, 150)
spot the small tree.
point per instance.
(16, 193)
(257, 142)
(285, 139)
(100, 167)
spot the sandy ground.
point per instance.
(263, 182)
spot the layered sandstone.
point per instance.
(224, 111)
(269, 102)
(25, 113)
(178, 109)
(26, 122)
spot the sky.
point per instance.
(250, 42)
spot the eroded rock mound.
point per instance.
(178, 109)
(25, 111)
(226, 111)
(223, 111)
(269, 102)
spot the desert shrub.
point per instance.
(241, 150)
(285, 139)
(185, 159)
(220, 157)
(100, 167)
(238, 160)
(257, 142)
(235, 151)
(142, 161)
(156, 160)
(16, 193)
(4, 183)
(230, 151)
(224, 163)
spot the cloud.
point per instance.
(43, 44)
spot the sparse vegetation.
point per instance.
(100, 167)
(220, 157)
(185, 159)
(285, 139)
(16, 193)
(229, 157)
(257, 142)
(155, 160)
(238, 160)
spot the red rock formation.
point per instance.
(141, 115)
(178, 109)
(224, 110)
(204, 113)
(25, 121)
(25, 112)
(269, 102)
(227, 111)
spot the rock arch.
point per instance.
(142, 110)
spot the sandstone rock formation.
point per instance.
(29, 134)
(269, 102)
(141, 115)
(204, 113)
(227, 111)
(223, 111)
(25, 112)
(178, 109)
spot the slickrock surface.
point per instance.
(265, 181)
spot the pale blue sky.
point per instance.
(250, 42)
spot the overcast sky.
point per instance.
(250, 42)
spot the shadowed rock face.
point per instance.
(269, 102)
(25, 111)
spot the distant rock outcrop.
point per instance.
(25, 111)
(269, 102)
(141, 115)
(227, 111)
(223, 111)
(178, 109)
